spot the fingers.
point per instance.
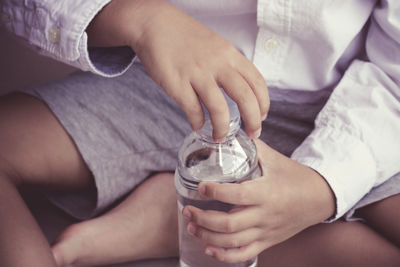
(257, 83)
(190, 104)
(215, 102)
(230, 237)
(235, 255)
(232, 240)
(222, 222)
(246, 193)
(247, 88)
(187, 100)
(239, 90)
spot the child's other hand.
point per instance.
(191, 62)
(288, 198)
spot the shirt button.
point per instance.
(270, 45)
(53, 35)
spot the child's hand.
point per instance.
(288, 198)
(188, 60)
(191, 62)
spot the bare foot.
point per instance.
(142, 226)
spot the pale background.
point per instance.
(21, 67)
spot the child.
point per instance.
(92, 140)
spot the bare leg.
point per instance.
(384, 217)
(35, 150)
(143, 226)
(337, 244)
(21, 240)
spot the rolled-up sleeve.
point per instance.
(355, 145)
(57, 29)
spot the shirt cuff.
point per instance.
(343, 160)
(57, 29)
(105, 61)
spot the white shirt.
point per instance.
(349, 46)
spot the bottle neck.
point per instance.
(205, 132)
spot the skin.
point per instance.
(279, 212)
(272, 208)
(35, 150)
(191, 70)
(47, 158)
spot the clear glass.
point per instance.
(201, 159)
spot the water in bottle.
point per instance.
(201, 159)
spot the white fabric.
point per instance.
(349, 46)
(57, 29)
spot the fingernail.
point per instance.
(257, 133)
(202, 189)
(264, 117)
(191, 228)
(186, 213)
(209, 252)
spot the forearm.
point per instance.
(314, 197)
(321, 197)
